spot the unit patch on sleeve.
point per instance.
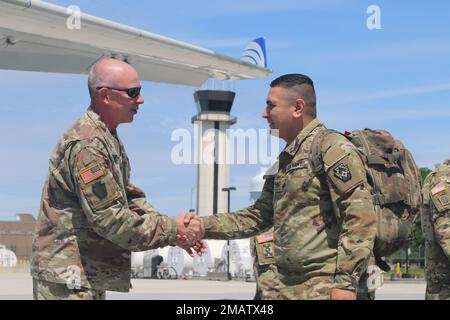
(342, 172)
(99, 189)
(444, 199)
(267, 247)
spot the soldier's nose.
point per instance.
(140, 99)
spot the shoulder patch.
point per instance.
(99, 189)
(438, 188)
(342, 171)
(333, 155)
(92, 172)
(346, 174)
(440, 196)
(265, 237)
(444, 200)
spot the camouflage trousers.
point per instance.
(269, 288)
(265, 282)
(316, 288)
(271, 285)
(442, 294)
(43, 290)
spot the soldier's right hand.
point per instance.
(190, 230)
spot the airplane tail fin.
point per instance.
(255, 53)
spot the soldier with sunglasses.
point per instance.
(91, 216)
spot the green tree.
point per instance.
(424, 172)
(418, 238)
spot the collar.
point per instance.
(95, 117)
(292, 148)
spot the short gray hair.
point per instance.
(95, 80)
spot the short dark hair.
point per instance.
(291, 80)
(299, 85)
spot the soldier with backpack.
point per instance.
(396, 192)
(324, 225)
(436, 228)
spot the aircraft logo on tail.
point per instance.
(255, 53)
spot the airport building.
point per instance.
(17, 236)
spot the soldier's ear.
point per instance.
(300, 106)
(103, 94)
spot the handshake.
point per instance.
(190, 233)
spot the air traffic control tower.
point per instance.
(213, 120)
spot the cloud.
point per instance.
(252, 7)
(400, 49)
(344, 98)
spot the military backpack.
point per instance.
(396, 185)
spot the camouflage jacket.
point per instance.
(323, 226)
(91, 217)
(436, 227)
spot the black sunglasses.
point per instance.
(131, 92)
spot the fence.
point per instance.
(22, 266)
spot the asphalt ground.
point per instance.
(18, 286)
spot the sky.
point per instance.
(395, 78)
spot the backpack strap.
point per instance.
(381, 199)
(316, 155)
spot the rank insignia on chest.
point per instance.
(91, 173)
(342, 172)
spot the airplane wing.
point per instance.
(39, 36)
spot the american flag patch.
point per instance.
(440, 187)
(91, 173)
(265, 237)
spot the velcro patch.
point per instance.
(342, 171)
(99, 189)
(440, 195)
(444, 199)
(265, 237)
(345, 175)
(264, 253)
(92, 173)
(438, 188)
(268, 252)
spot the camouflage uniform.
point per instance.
(91, 217)
(43, 290)
(436, 228)
(261, 248)
(324, 227)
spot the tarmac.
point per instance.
(18, 286)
